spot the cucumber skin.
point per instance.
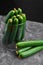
(7, 32)
(30, 52)
(9, 15)
(14, 30)
(23, 49)
(30, 43)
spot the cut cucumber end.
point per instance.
(17, 52)
(10, 20)
(16, 11)
(16, 47)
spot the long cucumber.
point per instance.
(30, 52)
(24, 25)
(6, 24)
(7, 31)
(14, 30)
(9, 15)
(22, 50)
(20, 27)
(30, 43)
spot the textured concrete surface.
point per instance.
(33, 31)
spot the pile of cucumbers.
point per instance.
(28, 48)
(15, 25)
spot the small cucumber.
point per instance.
(19, 10)
(16, 11)
(24, 25)
(24, 17)
(9, 15)
(30, 52)
(14, 30)
(29, 43)
(20, 27)
(13, 17)
(20, 18)
(22, 50)
(7, 31)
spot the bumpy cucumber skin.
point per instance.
(30, 43)
(19, 10)
(7, 31)
(14, 30)
(30, 52)
(23, 49)
(9, 15)
(24, 25)
(20, 27)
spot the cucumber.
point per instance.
(24, 25)
(7, 31)
(19, 10)
(24, 17)
(13, 17)
(9, 15)
(14, 30)
(20, 18)
(30, 52)
(22, 50)
(30, 43)
(16, 11)
(20, 27)
(6, 24)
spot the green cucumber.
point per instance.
(24, 16)
(24, 25)
(16, 11)
(7, 31)
(14, 30)
(30, 43)
(9, 15)
(6, 24)
(20, 18)
(20, 27)
(22, 50)
(30, 52)
(13, 17)
(19, 10)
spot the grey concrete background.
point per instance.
(33, 31)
